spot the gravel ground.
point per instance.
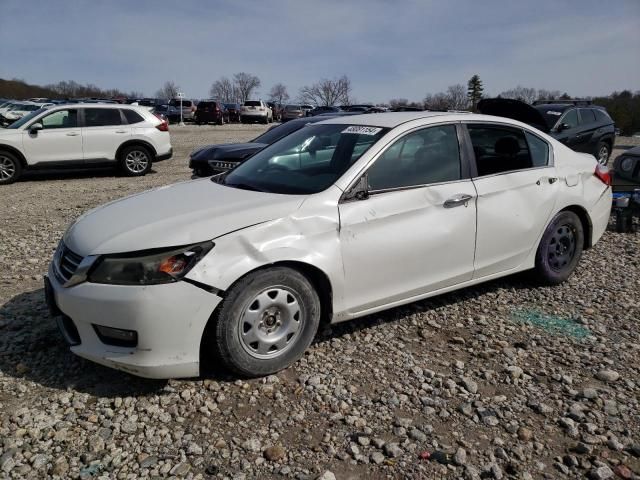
(502, 380)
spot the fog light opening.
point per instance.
(117, 337)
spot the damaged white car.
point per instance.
(340, 219)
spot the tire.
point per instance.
(267, 305)
(266, 120)
(221, 121)
(602, 153)
(135, 161)
(560, 249)
(10, 168)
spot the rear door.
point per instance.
(570, 134)
(60, 140)
(517, 188)
(103, 131)
(587, 138)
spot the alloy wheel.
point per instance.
(136, 161)
(603, 155)
(271, 322)
(7, 168)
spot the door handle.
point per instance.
(458, 200)
(121, 131)
(72, 134)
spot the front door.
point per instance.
(60, 139)
(517, 189)
(415, 233)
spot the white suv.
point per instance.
(74, 135)
(256, 111)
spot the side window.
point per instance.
(571, 118)
(587, 116)
(132, 117)
(101, 117)
(601, 115)
(60, 119)
(499, 149)
(430, 155)
(539, 150)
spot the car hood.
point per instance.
(514, 109)
(175, 215)
(227, 150)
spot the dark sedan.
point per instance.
(234, 111)
(212, 159)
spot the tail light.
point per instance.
(164, 125)
(603, 174)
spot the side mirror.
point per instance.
(359, 190)
(563, 126)
(35, 128)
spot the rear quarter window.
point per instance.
(132, 117)
(539, 150)
(601, 116)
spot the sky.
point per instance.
(389, 49)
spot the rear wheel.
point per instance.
(221, 121)
(603, 151)
(135, 161)
(10, 168)
(266, 321)
(560, 249)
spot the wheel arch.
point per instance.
(136, 142)
(585, 219)
(16, 152)
(318, 278)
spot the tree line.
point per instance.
(624, 106)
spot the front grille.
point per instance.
(68, 262)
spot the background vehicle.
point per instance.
(358, 108)
(578, 124)
(213, 159)
(291, 112)
(275, 111)
(626, 189)
(209, 111)
(188, 108)
(19, 110)
(306, 108)
(243, 267)
(168, 112)
(255, 111)
(79, 135)
(234, 111)
(323, 109)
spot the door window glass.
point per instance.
(499, 149)
(61, 119)
(570, 118)
(587, 116)
(539, 150)
(101, 117)
(427, 156)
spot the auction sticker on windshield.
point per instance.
(362, 130)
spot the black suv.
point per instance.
(578, 124)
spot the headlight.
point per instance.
(148, 268)
(626, 164)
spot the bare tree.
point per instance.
(245, 84)
(398, 102)
(437, 102)
(457, 98)
(278, 94)
(548, 94)
(524, 94)
(223, 90)
(169, 90)
(327, 92)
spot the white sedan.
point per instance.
(343, 218)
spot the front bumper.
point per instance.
(169, 320)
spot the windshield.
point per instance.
(26, 118)
(305, 162)
(231, 106)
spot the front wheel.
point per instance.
(560, 249)
(135, 161)
(10, 168)
(602, 153)
(266, 321)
